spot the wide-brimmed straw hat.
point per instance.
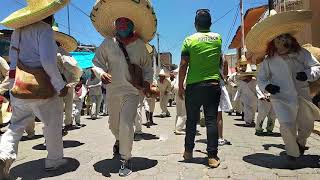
(68, 42)
(35, 11)
(5, 115)
(105, 13)
(314, 86)
(150, 48)
(290, 22)
(248, 72)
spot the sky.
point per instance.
(175, 20)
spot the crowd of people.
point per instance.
(46, 82)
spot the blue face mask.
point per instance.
(126, 33)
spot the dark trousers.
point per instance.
(204, 94)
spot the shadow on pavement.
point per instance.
(196, 160)
(237, 119)
(268, 146)
(25, 138)
(111, 166)
(35, 169)
(243, 125)
(281, 162)
(147, 136)
(66, 144)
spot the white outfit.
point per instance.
(225, 103)
(181, 116)
(4, 70)
(248, 97)
(264, 110)
(165, 89)
(124, 97)
(291, 104)
(138, 119)
(37, 49)
(232, 87)
(78, 103)
(95, 94)
(150, 103)
(70, 70)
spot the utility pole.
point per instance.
(243, 46)
(158, 40)
(68, 19)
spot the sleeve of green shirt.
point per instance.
(185, 48)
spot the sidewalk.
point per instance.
(159, 155)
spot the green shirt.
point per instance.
(204, 52)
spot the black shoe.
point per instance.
(302, 149)
(64, 132)
(250, 124)
(229, 113)
(116, 150)
(238, 114)
(68, 127)
(151, 119)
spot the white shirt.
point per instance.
(109, 58)
(37, 49)
(68, 66)
(94, 86)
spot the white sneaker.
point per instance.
(125, 169)
(5, 168)
(52, 165)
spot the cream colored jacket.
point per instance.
(109, 58)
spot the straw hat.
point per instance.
(163, 73)
(248, 72)
(5, 115)
(35, 11)
(314, 86)
(141, 12)
(273, 26)
(69, 43)
(149, 48)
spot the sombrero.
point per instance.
(273, 26)
(315, 51)
(248, 72)
(69, 43)
(35, 11)
(149, 48)
(163, 73)
(141, 12)
(5, 115)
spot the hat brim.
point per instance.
(27, 15)
(264, 32)
(67, 42)
(149, 48)
(105, 13)
(243, 74)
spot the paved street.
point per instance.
(159, 155)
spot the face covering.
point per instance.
(283, 44)
(124, 27)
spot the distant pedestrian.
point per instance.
(201, 53)
(95, 93)
(164, 85)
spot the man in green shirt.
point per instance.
(201, 53)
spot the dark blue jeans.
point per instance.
(204, 94)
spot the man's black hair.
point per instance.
(203, 19)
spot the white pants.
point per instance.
(123, 111)
(149, 104)
(96, 104)
(181, 116)
(49, 111)
(68, 103)
(138, 119)
(265, 110)
(164, 99)
(298, 130)
(105, 105)
(249, 111)
(77, 107)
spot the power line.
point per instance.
(79, 9)
(230, 31)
